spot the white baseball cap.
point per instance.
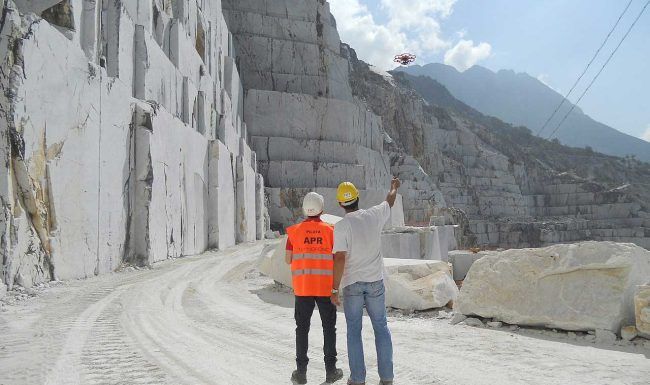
(312, 204)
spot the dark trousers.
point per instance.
(304, 308)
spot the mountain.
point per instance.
(523, 100)
(502, 185)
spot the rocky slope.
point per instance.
(517, 190)
(522, 100)
(301, 83)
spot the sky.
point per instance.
(552, 40)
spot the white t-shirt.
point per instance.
(359, 234)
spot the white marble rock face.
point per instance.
(583, 286)
(177, 214)
(127, 137)
(245, 215)
(221, 197)
(71, 171)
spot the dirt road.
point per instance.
(212, 319)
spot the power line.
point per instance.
(601, 69)
(566, 97)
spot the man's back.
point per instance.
(359, 234)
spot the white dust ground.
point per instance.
(212, 319)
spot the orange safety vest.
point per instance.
(312, 265)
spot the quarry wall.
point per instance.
(307, 128)
(123, 137)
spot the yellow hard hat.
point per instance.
(346, 193)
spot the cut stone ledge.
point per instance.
(430, 243)
(462, 261)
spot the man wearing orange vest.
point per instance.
(309, 252)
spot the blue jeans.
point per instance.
(372, 295)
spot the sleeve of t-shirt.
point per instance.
(381, 213)
(289, 246)
(341, 241)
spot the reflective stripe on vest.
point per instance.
(312, 262)
(312, 272)
(327, 257)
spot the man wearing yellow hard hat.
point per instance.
(359, 272)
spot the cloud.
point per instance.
(411, 26)
(546, 80)
(420, 18)
(465, 54)
(374, 43)
(646, 134)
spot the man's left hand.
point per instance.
(335, 299)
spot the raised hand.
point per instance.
(395, 183)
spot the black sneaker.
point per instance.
(333, 375)
(386, 382)
(299, 377)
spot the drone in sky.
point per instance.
(404, 58)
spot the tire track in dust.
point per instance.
(181, 350)
(29, 348)
(66, 369)
(108, 357)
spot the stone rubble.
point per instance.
(629, 333)
(605, 337)
(584, 286)
(457, 318)
(474, 322)
(495, 324)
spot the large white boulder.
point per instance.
(642, 310)
(583, 286)
(418, 284)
